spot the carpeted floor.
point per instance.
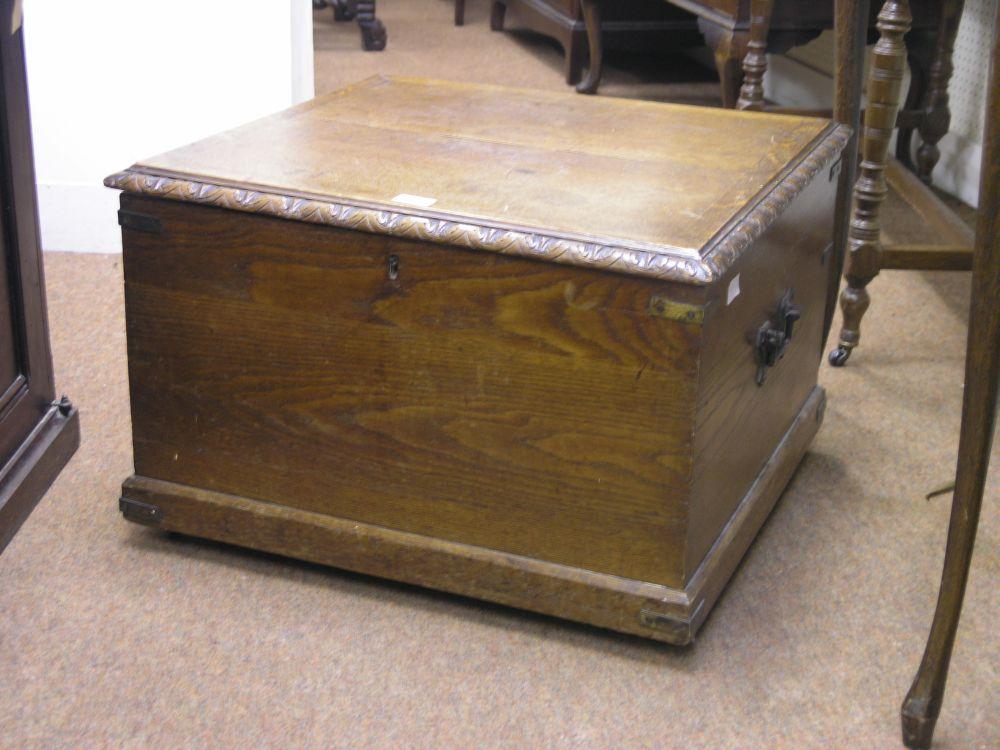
(115, 635)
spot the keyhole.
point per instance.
(393, 267)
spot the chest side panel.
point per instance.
(516, 405)
(739, 423)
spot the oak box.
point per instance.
(413, 329)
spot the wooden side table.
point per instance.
(923, 702)
(868, 249)
(727, 26)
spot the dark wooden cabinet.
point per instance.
(38, 432)
(645, 25)
(725, 25)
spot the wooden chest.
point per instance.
(400, 330)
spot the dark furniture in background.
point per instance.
(726, 26)
(373, 34)
(870, 251)
(928, 50)
(869, 248)
(639, 25)
(38, 434)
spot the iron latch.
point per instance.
(775, 334)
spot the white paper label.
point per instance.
(414, 200)
(734, 289)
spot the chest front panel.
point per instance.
(517, 405)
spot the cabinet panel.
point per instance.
(9, 364)
(37, 436)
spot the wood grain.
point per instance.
(320, 355)
(979, 408)
(651, 610)
(738, 422)
(492, 153)
(498, 402)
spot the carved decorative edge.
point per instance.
(727, 246)
(721, 253)
(396, 223)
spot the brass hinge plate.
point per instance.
(680, 311)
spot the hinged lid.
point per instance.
(659, 190)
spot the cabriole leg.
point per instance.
(595, 66)
(728, 46)
(982, 371)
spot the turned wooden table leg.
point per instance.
(373, 34)
(595, 67)
(342, 10)
(851, 35)
(497, 12)
(936, 117)
(982, 371)
(885, 79)
(755, 62)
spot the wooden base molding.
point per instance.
(28, 474)
(629, 606)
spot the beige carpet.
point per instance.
(115, 635)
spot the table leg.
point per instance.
(885, 80)
(459, 12)
(936, 117)
(755, 62)
(851, 37)
(729, 47)
(982, 371)
(373, 34)
(497, 12)
(342, 10)
(595, 67)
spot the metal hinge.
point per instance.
(680, 628)
(663, 307)
(140, 512)
(139, 222)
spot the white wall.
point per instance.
(114, 81)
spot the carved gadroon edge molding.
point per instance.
(727, 246)
(659, 263)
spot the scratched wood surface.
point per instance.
(598, 167)
(506, 403)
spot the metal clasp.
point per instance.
(774, 335)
